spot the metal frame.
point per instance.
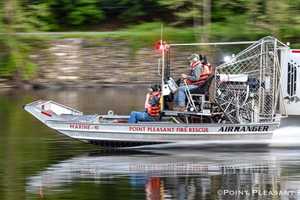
(266, 59)
(265, 53)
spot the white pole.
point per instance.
(162, 67)
(212, 43)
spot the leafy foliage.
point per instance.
(77, 12)
(14, 59)
(139, 20)
(40, 17)
(184, 11)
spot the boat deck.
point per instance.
(80, 118)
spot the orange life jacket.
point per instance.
(206, 72)
(154, 109)
(194, 64)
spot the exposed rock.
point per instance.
(88, 63)
(5, 84)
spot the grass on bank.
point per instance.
(15, 57)
(145, 34)
(16, 48)
(137, 36)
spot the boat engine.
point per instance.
(247, 87)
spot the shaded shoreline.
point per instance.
(13, 85)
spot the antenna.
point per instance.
(161, 32)
(162, 67)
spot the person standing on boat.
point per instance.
(191, 80)
(152, 107)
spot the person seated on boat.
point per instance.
(152, 107)
(205, 77)
(191, 81)
(207, 67)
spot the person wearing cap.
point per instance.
(152, 107)
(191, 80)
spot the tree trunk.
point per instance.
(206, 20)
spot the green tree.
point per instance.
(77, 12)
(185, 11)
(15, 55)
(226, 9)
(133, 11)
(40, 17)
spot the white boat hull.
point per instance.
(125, 134)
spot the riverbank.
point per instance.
(91, 59)
(76, 62)
(97, 59)
(6, 84)
(9, 86)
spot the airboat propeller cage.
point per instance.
(247, 88)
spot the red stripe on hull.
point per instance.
(296, 51)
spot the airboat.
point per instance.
(242, 101)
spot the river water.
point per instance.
(37, 163)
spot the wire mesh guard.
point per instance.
(247, 88)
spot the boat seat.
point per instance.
(199, 96)
(204, 89)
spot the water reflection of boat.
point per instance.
(188, 175)
(242, 103)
